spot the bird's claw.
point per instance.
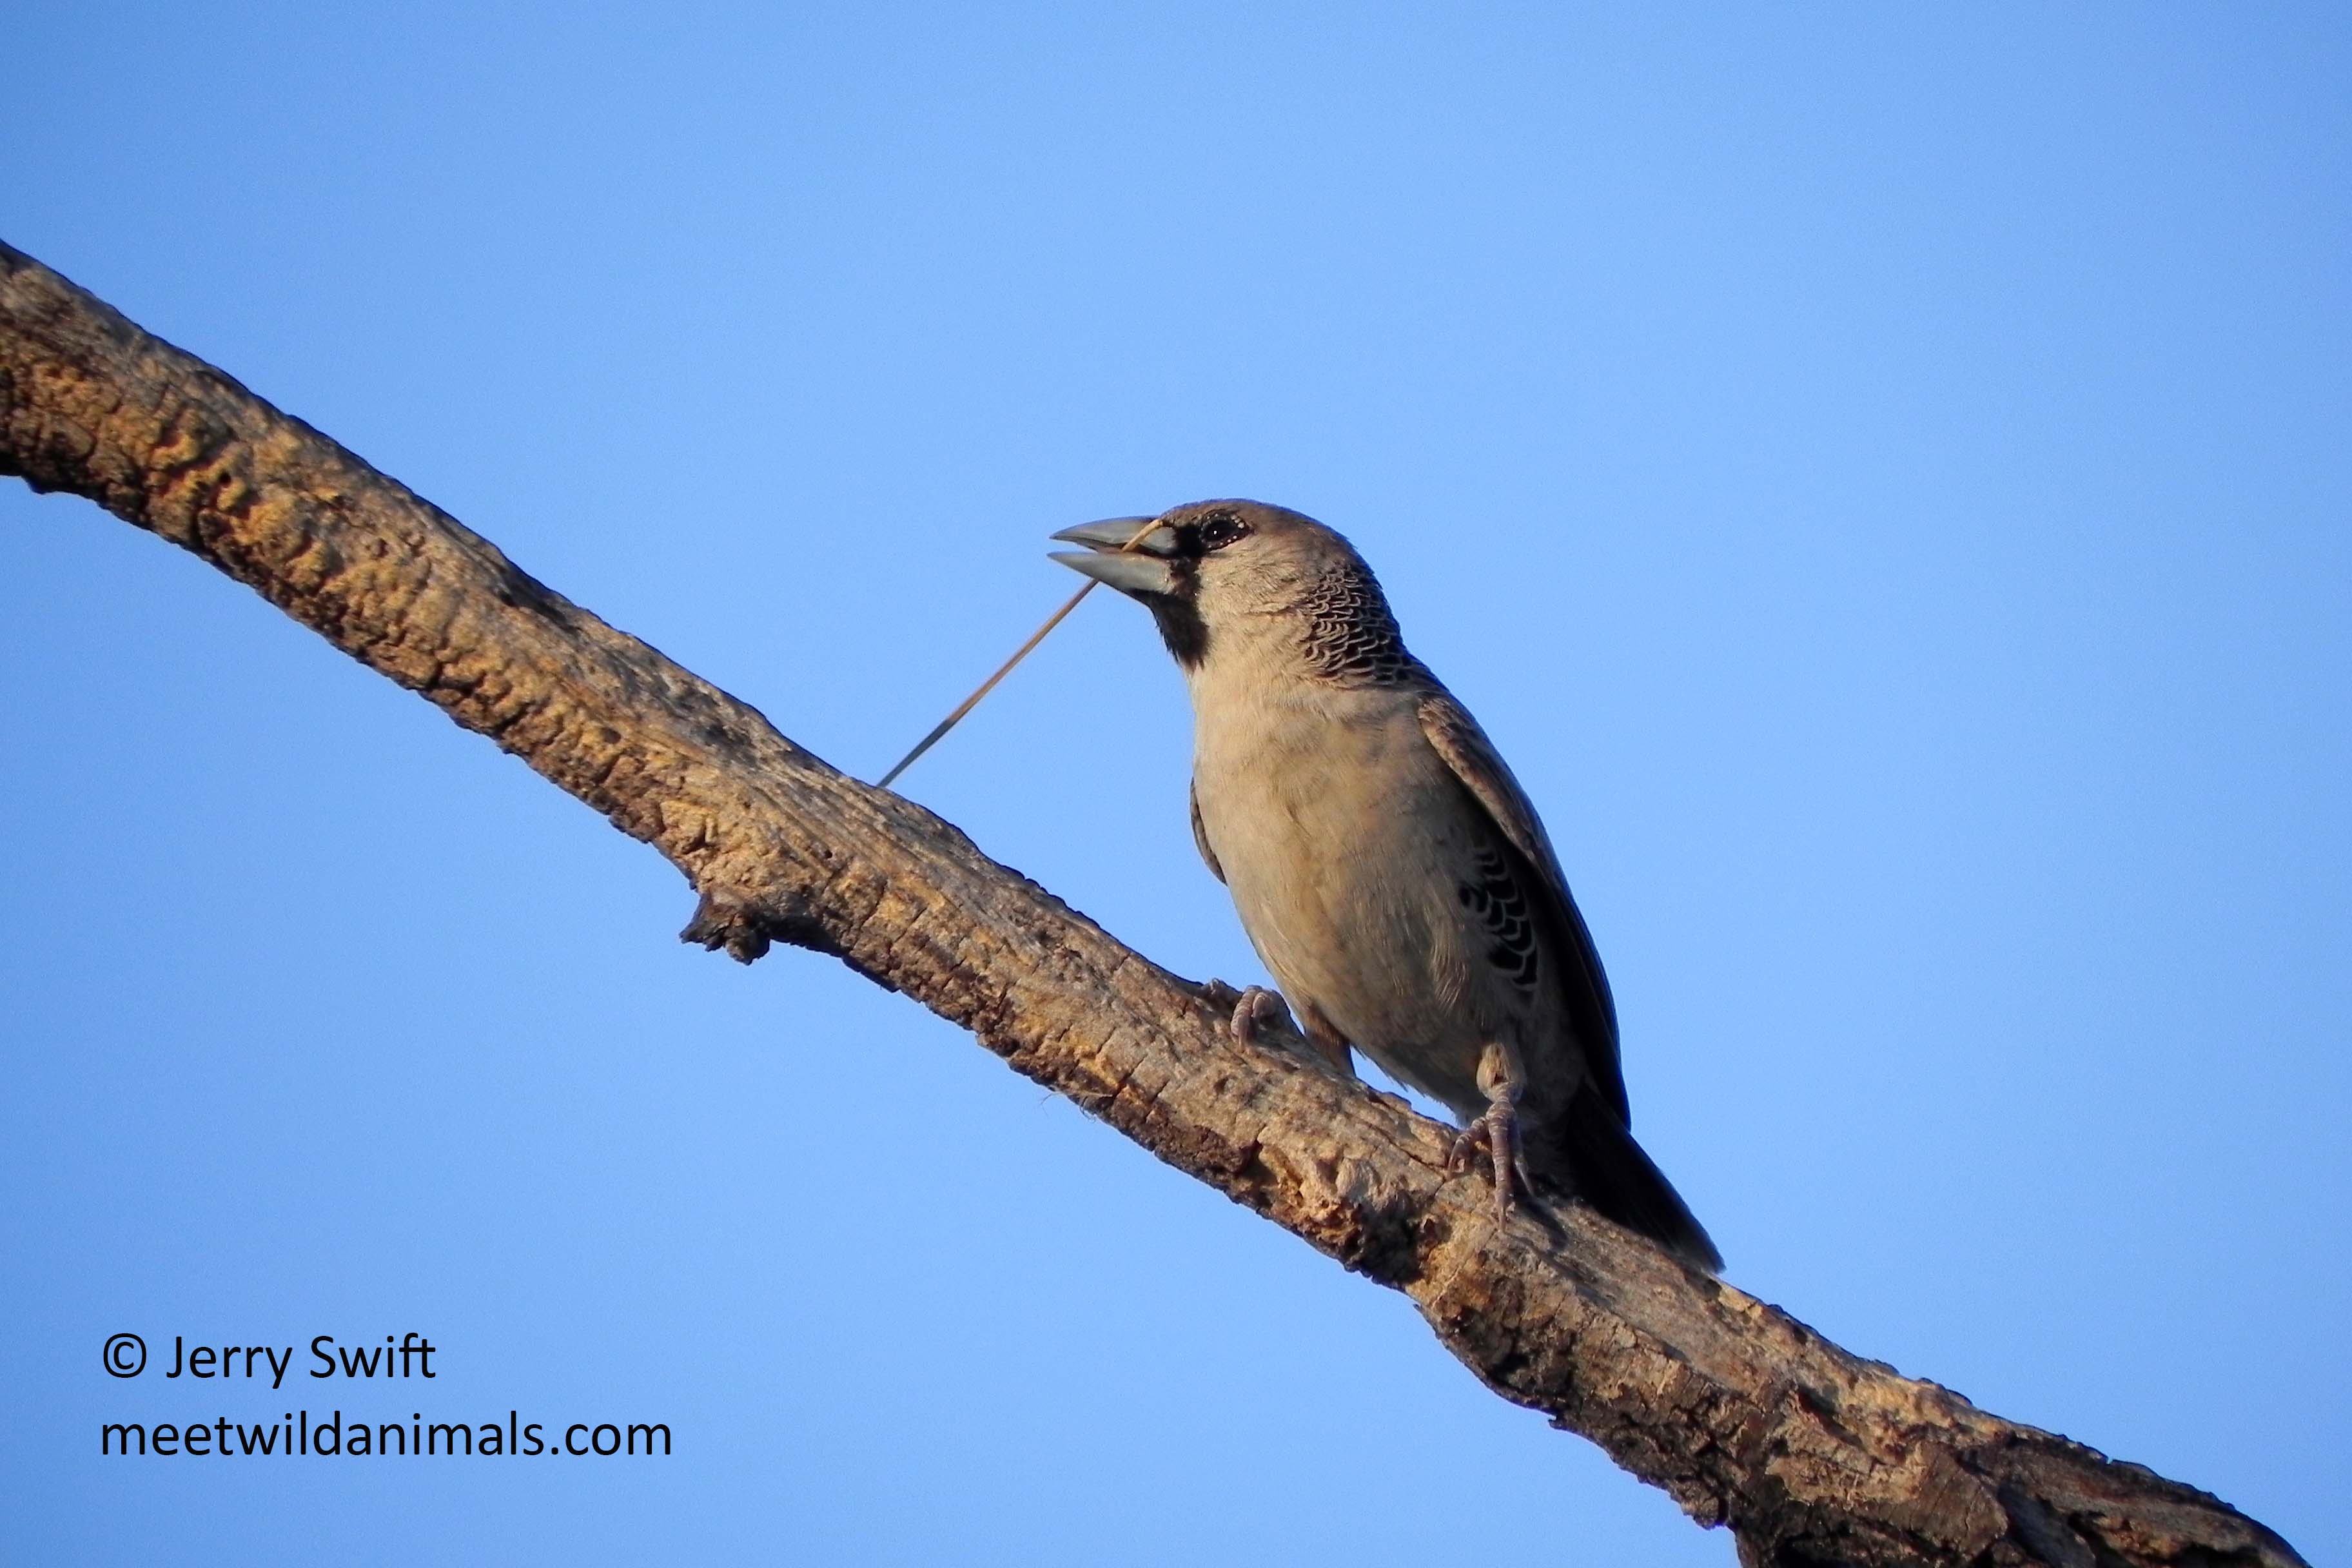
(1255, 1008)
(1495, 1135)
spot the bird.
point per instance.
(1389, 869)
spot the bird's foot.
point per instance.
(1255, 1008)
(1495, 1136)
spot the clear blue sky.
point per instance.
(1881, 477)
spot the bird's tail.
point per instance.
(1603, 1165)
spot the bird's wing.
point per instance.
(1200, 835)
(1455, 736)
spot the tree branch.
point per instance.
(1742, 1414)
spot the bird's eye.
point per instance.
(1221, 531)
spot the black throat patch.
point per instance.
(1181, 628)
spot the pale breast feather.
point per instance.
(1200, 833)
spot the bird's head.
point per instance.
(1217, 572)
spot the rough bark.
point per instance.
(1744, 1416)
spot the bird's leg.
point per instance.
(1328, 1042)
(1501, 1079)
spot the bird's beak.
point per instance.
(1137, 573)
